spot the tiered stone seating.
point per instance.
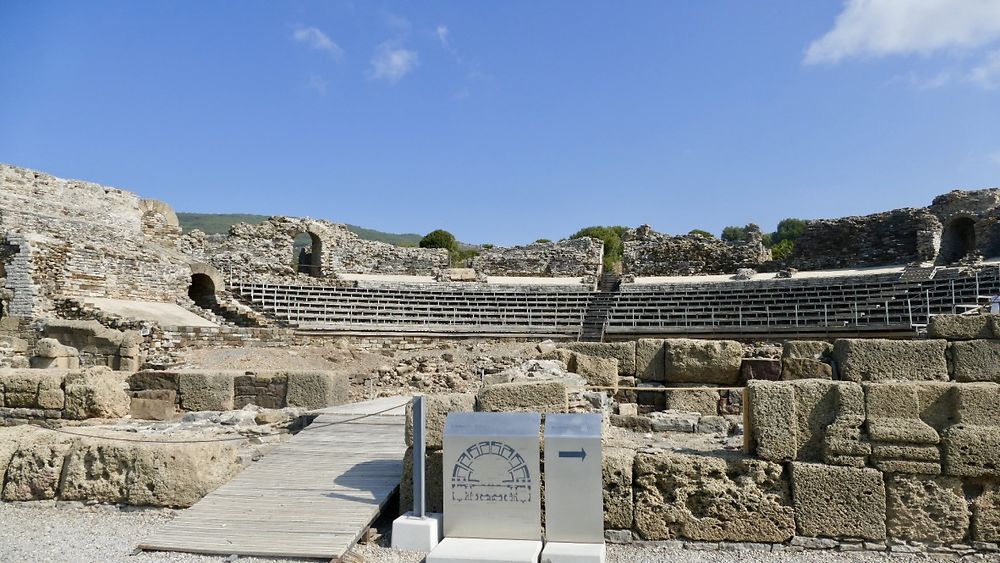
(880, 302)
(535, 311)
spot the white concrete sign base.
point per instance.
(472, 550)
(562, 552)
(410, 533)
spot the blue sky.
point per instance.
(509, 121)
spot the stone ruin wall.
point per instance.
(900, 236)
(894, 237)
(264, 252)
(896, 447)
(582, 257)
(66, 237)
(649, 253)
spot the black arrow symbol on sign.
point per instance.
(582, 454)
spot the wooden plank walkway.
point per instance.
(311, 497)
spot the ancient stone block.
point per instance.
(711, 499)
(805, 368)
(156, 404)
(976, 360)
(891, 400)
(891, 360)
(978, 404)
(808, 349)
(834, 501)
(600, 372)
(819, 404)
(264, 389)
(649, 362)
(971, 451)
(687, 360)
(205, 391)
(985, 514)
(178, 475)
(51, 399)
(617, 472)
(624, 352)
(960, 327)
(433, 481)
(35, 467)
(674, 421)
(772, 420)
(317, 389)
(760, 368)
(634, 422)
(526, 396)
(926, 509)
(153, 379)
(10, 441)
(695, 399)
(436, 409)
(97, 470)
(96, 392)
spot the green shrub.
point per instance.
(783, 249)
(701, 233)
(612, 238)
(440, 239)
(735, 234)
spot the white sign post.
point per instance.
(574, 499)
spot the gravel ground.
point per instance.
(66, 531)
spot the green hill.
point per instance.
(219, 223)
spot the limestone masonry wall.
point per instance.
(649, 253)
(582, 257)
(894, 237)
(265, 252)
(66, 237)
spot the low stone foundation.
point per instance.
(218, 390)
(40, 395)
(37, 464)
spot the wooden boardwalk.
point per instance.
(311, 497)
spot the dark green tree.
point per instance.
(789, 229)
(701, 233)
(735, 234)
(440, 239)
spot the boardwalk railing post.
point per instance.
(419, 428)
(418, 530)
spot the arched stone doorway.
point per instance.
(957, 240)
(202, 291)
(307, 254)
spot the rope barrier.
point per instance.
(210, 440)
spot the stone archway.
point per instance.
(204, 285)
(957, 240)
(307, 254)
(202, 291)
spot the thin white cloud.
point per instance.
(317, 84)
(442, 34)
(994, 157)
(879, 28)
(391, 63)
(987, 73)
(399, 23)
(918, 82)
(317, 40)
